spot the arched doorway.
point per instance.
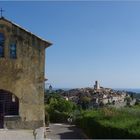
(9, 105)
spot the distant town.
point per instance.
(97, 96)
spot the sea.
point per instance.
(136, 90)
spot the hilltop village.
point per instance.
(98, 97)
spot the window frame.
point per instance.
(13, 53)
(2, 44)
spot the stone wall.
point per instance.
(14, 122)
(24, 76)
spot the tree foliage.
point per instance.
(58, 108)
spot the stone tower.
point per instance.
(22, 60)
(96, 86)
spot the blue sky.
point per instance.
(91, 40)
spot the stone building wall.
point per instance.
(24, 76)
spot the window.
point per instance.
(13, 51)
(1, 45)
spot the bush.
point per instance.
(59, 109)
(109, 123)
(57, 116)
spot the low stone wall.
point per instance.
(15, 122)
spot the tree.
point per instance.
(85, 101)
(59, 109)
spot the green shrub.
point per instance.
(57, 116)
(109, 123)
(59, 109)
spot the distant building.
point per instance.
(96, 86)
(66, 98)
(50, 89)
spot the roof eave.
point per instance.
(47, 43)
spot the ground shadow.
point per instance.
(74, 133)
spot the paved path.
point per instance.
(16, 134)
(56, 131)
(64, 131)
(22, 134)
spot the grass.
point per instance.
(111, 122)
